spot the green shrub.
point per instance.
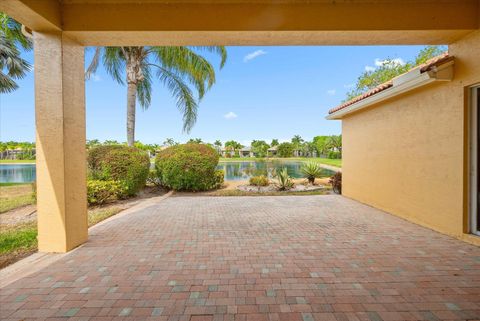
(310, 171)
(261, 180)
(97, 153)
(219, 178)
(284, 180)
(101, 192)
(128, 165)
(189, 167)
(285, 150)
(334, 155)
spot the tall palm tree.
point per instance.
(12, 66)
(175, 67)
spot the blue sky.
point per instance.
(261, 93)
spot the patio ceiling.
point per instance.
(250, 22)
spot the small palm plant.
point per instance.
(284, 180)
(311, 170)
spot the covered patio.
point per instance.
(63, 28)
(254, 258)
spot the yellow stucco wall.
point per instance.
(406, 155)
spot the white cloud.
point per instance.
(379, 62)
(230, 115)
(254, 55)
(331, 92)
(395, 61)
(96, 78)
(348, 86)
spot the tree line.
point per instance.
(320, 146)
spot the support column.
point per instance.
(61, 150)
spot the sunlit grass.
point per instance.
(97, 215)
(16, 161)
(326, 161)
(10, 203)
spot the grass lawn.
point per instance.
(17, 161)
(20, 240)
(15, 195)
(326, 161)
(17, 242)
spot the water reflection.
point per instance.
(17, 173)
(242, 170)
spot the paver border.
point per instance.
(39, 260)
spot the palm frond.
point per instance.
(92, 67)
(220, 50)
(186, 103)
(144, 88)
(12, 30)
(15, 66)
(114, 63)
(7, 85)
(186, 63)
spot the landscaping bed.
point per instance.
(274, 188)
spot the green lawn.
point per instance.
(17, 242)
(15, 195)
(17, 161)
(21, 240)
(326, 161)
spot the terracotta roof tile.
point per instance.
(428, 65)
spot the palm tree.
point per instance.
(175, 67)
(11, 38)
(335, 142)
(169, 142)
(218, 146)
(195, 141)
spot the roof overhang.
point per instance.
(249, 22)
(409, 81)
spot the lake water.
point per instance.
(234, 171)
(243, 170)
(17, 173)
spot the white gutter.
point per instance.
(404, 83)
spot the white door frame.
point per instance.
(474, 224)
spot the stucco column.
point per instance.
(60, 129)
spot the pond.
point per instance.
(234, 171)
(17, 173)
(243, 170)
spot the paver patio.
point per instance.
(255, 258)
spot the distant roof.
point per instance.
(428, 65)
(245, 149)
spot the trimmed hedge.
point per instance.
(188, 167)
(127, 165)
(101, 192)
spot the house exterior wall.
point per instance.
(407, 155)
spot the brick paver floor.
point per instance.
(255, 258)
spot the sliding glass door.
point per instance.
(474, 162)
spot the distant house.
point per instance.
(272, 151)
(227, 152)
(246, 152)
